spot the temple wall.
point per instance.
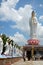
(9, 61)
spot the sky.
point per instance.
(14, 19)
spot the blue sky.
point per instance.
(14, 18)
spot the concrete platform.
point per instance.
(21, 62)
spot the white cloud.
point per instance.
(19, 38)
(41, 41)
(10, 3)
(40, 30)
(7, 12)
(40, 33)
(41, 5)
(41, 18)
(21, 16)
(23, 24)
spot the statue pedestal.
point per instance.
(33, 42)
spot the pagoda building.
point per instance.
(33, 48)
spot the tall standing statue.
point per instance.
(33, 26)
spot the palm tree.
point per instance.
(4, 39)
(17, 46)
(12, 42)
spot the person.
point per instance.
(24, 55)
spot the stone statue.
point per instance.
(33, 26)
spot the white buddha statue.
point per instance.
(33, 26)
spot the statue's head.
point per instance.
(33, 13)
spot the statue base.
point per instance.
(33, 42)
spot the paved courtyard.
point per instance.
(21, 62)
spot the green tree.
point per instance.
(4, 39)
(12, 42)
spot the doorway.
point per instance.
(28, 55)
